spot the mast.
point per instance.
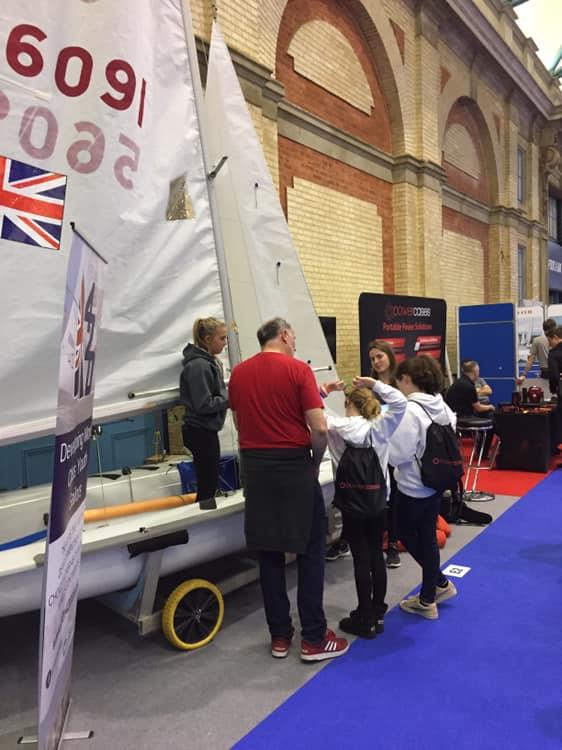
(234, 353)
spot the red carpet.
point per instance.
(503, 482)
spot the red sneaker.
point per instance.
(329, 648)
(280, 646)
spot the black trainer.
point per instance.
(392, 557)
(208, 504)
(379, 613)
(338, 549)
(356, 625)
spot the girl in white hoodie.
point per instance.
(421, 381)
(364, 425)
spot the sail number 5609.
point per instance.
(25, 58)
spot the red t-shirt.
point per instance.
(270, 393)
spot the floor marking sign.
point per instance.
(457, 571)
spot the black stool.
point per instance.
(476, 427)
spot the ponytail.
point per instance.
(204, 327)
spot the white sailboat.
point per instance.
(259, 276)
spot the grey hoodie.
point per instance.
(202, 390)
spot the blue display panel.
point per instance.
(487, 333)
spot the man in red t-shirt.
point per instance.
(282, 433)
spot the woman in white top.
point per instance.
(421, 381)
(364, 426)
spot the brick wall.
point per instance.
(463, 153)
(343, 216)
(340, 72)
(339, 238)
(462, 274)
(371, 128)
(298, 161)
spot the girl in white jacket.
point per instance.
(364, 425)
(421, 381)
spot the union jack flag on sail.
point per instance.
(31, 204)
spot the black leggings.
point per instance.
(417, 517)
(205, 447)
(365, 540)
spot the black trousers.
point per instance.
(205, 447)
(392, 514)
(365, 540)
(310, 587)
(417, 517)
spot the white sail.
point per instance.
(102, 93)
(258, 292)
(265, 273)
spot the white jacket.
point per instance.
(356, 430)
(409, 441)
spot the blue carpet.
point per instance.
(487, 674)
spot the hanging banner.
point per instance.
(529, 326)
(98, 124)
(82, 315)
(411, 325)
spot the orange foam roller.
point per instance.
(143, 506)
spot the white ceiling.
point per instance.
(541, 20)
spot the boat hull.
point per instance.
(106, 565)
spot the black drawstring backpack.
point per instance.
(360, 486)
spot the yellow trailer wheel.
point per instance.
(193, 614)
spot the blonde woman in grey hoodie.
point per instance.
(421, 381)
(365, 425)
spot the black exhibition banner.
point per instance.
(411, 325)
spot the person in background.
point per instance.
(203, 393)
(555, 373)
(363, 424)
(282, 432)
(421, 381)
(483, 390)
(539, 350)
(462, 398)
(383, 368)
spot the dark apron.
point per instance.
(279, 487)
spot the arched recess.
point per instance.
(449, 101)
(371, 19)
(466, 114)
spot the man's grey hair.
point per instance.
(271, 329)
(468, 365)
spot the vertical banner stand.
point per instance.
(73, 432)
(66, 736)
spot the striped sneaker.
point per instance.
(415, 606)
(329, 648)
(442, 593)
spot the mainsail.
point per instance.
(102, 94)
(265, 273)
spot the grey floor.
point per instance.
(143, 694)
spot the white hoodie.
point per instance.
(409, 441)
(356, 430)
